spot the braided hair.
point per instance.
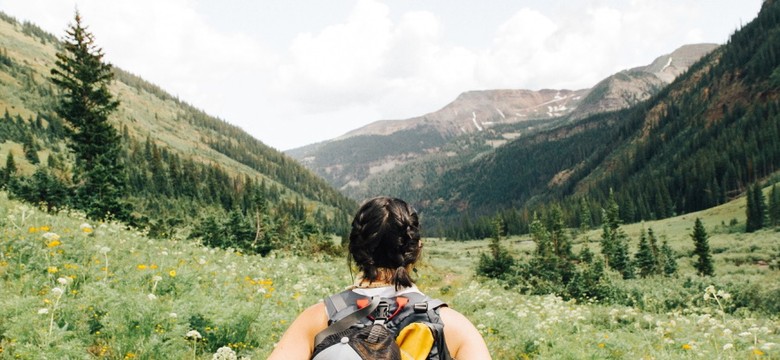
(385, 237)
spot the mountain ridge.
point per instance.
(351, 161)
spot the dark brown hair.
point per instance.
(385, 236)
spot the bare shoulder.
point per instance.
(463, 339)
(298, 341)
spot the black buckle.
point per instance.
(381, 312)
(421, 307)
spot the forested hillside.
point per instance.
(188, 173)
(699, 142)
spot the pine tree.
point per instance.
(614, 242)
(86, 103)
(668, 258)
(756, 209)
(499, 263)
(702, 249)
(9, 171)
(774, 206)
(585, 217)
(645, 259)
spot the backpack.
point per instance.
(406, 327)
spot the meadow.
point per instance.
(71, 288)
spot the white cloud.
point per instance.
(375, 62)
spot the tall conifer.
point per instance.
(86, 103)
(702, 249)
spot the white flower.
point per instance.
(193, 335)
(225, 353)
(157, 278)
(202, 261)
(85, 227)
(104, 250)
(50, 236)
(151, 296)
(63, 281)
(173, 315)
(57, 292)
(43, 311)
(728, 346)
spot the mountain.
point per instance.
(358, 161)
(182, 163)
(695, 144)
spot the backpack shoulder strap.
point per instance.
(341, 304)
(347, 321)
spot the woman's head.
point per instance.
(385, 239)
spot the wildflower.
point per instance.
(130, 355)
(225, 353)
(686, 346)
(173, 315)
(141, 267)
(54, 243)
(151, 296)
(50, 236)
(157, 278)
(758, 352)
(172, 273)
(86, 228)
(104, 250)
(63, 281)
(728, 346)
(52, 269)
(43, 311)
(193, 335)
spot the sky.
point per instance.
(292, 72)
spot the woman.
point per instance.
(384, 244)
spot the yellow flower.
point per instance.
(757, 352)
(86, 228)
(172, 273)
(141, 267)
(53, 270)
(602, 345)
(32, 230)
(129, 355)
(686, 346)
(153, 266)
(54, 243)
(44, 228)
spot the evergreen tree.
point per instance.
(585, 217)
(702, 248)
(645, 259)
(86, 103)
(560, 242)
(614, 242)
(756, 209)
(668, 258)
(499, 263)
(774, 206)
(9, 171)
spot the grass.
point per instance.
(70, 288)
